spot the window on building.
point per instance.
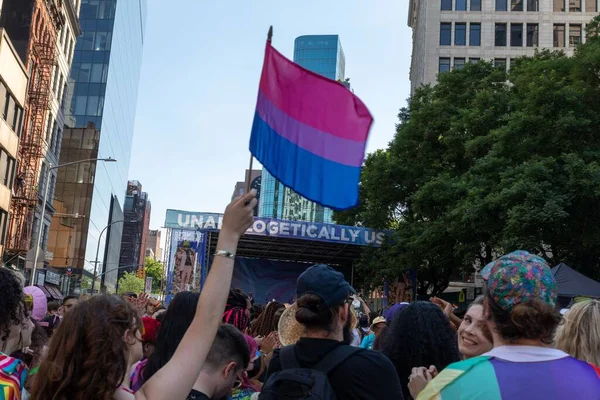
(444, 64)
(475, 5)
(87, 41)
(55, 79)
(7, 168)
(80, 104)
(92, 105)
(533, 35)
(56, 148)
(3, 100)
(559, 35)
(475, 34)
(459, 63)
(3, 166)
(516, 5)
(533, 5)
(559, 5)
(102, 41)
(49, 127)
(574, 5)
(3, 226)
(445, 34)
(51, 188)
(516, 35)
(474, 60)
(500, 63)
(461, 5)
(501, 5)
(460, 34)
(575, 37)
(446, 5)
(10, 111)
(19, 115)
(591, 5)
(500, 35)
(96, 76)
(84, 72)
(66, 41)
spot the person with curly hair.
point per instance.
(420, 335)
(91, 350)
(267, 322)
(15, 334)
(520, 309)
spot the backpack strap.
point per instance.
(336, 357)
(287, 358)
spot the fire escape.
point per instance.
(25, 198)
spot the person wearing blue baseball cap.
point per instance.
(324, 301)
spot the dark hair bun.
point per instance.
(313, 313)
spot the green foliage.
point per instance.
(485, 163)
(129, 282)
(154, 269)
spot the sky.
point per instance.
(199, 81)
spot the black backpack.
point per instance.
(296, 383)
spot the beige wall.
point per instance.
(425, 17)
(14, 76)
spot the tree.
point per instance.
(485, 163)
(129, 282)
(154, 269)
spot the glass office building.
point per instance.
(324, 55)
(104, 87)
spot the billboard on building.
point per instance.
(184, 269)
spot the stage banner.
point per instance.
(192, 221)
(268, 279)
(184, 267)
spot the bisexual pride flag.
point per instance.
(309, 132)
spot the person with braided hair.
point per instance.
(237, 310)
(267, 321)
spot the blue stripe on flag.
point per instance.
(325, 182)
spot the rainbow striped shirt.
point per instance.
(516, 372)
(13, 373)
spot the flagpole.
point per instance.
(249, 177)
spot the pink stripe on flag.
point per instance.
(322, 144)
(314, 100)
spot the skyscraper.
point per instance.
(447, 34)
(324, 55)
(136, 213)
(105, 76)
(153, 244)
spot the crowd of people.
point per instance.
(512, 342)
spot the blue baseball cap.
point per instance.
(325, 282)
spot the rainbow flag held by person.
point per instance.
(309, 132)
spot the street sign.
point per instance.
(148, 284)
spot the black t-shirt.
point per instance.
(196, 395)
(365, 375)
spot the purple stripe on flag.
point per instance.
(322, 144)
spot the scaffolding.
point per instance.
(42, 59)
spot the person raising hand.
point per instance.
(91, 350)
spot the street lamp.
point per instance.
(39, 239)
(98, 249)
